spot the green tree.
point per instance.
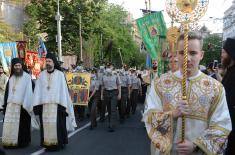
(212, 47)
(116, 30)
(7, 33)
(99, 18)
(42, 20)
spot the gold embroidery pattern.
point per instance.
(50, 124)
(161, 131)
(215, 101)
(203, 94)
(212, 141)
(11, 125)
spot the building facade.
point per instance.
(229, 22)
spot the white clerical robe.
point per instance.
(19, 94)
(3, 83)
(20, 91)
(208, 124)
(52, 89)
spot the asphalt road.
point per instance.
(129, 138)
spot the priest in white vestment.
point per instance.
(18, 107)
(207, 120)
(53, 104)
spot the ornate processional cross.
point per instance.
(185, 12)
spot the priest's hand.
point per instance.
(185, 148)
(182, 109)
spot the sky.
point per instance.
(216, 9)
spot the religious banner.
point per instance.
(79, 85)
(34, 63)
(152, 29)
(42, 51)
(8, 51)
(21, 47)
(30, 58)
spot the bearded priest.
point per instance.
(18, 107)
(53, 104)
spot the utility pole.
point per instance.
(149, 6)
(146, 5)
(119, 50)
(58, 17)
(101, 47)
(80, 33)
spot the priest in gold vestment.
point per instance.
(207, 120)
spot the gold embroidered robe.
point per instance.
(208, 124)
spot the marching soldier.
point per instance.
(110, 93)
(135, 90)
(125, 91)
(94, 96)
(100, 105)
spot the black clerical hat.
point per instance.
(229, 47)
(16, 61)
(53, 57)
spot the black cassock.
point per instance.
(229, 85)
(62, 135)
(24, 135)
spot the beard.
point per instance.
(226, 62)
(154, 67)
(18, 72)
(49, 67)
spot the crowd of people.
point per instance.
(45, 103)
(116, 91)
(208, 107)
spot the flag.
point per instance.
(152, 28)
(42, 51)
(8, 51)
(21, 46)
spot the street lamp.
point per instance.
(58, 17)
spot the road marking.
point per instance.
(41, 151)
(69, 135)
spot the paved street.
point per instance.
(129, 138)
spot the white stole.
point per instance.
(57, 93)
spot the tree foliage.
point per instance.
(117, 33)
(7, 33)
(105, 29)
(212, 47)
(42, 19)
